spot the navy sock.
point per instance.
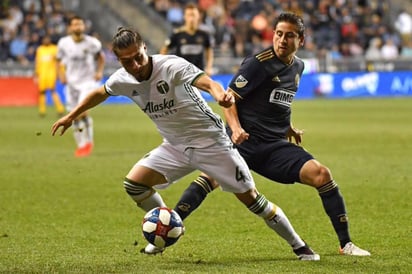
(193, 196)
(335, 208)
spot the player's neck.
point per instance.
(287, 60)
(191, 29)
(77, 37)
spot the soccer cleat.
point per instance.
(152, 250)
(305, 253)
(353, 250)
(84, 151)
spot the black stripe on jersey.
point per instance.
(235, 93)
(265, 55)
(105, 89)
(204, 108)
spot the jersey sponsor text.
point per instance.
(152, 107)
(282, 97)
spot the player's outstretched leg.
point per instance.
(146, 198)
(276, 219)
(193, 196)
(334, 206)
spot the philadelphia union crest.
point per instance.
(297, 80)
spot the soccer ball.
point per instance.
(162, 226)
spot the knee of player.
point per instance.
(212, 182)
(137, 191)
(250, 197)
(324, 175)
(261, 206)
(315, 174)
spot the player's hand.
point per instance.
(239, 135)
(226, 100)
(64, 122)
(295, 134)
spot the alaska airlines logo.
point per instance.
(282, 97)
(152, 107)
(162, 87)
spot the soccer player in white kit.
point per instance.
(81, 62)
(166, 88)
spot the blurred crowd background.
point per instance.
(336, 29)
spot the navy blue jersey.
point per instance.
(190, 47)
(267, 87)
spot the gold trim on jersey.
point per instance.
(235, 93)
(265, 55)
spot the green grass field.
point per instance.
(59, 214)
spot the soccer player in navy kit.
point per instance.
(259, 125)
(191, 42)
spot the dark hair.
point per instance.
(124, 38)
(190, 6)
(75, 17)
(293, 19)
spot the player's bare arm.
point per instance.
(61, 72)
(209, 61)
(232, 119)
(93, 99)
(101, 59)
(224, 99)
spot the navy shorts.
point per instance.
(278, 161)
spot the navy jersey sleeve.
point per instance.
(172, 40)
(209, 42)
(249, 76)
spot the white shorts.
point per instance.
(76, 93)
(223, 163)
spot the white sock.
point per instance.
(280, 223)
(79, 133)
(276, 219)
(88, 122)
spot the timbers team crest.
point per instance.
(162, 87)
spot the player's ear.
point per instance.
(302, 41)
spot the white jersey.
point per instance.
(177, 108)
(79, 58)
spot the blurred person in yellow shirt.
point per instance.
(46, 75)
